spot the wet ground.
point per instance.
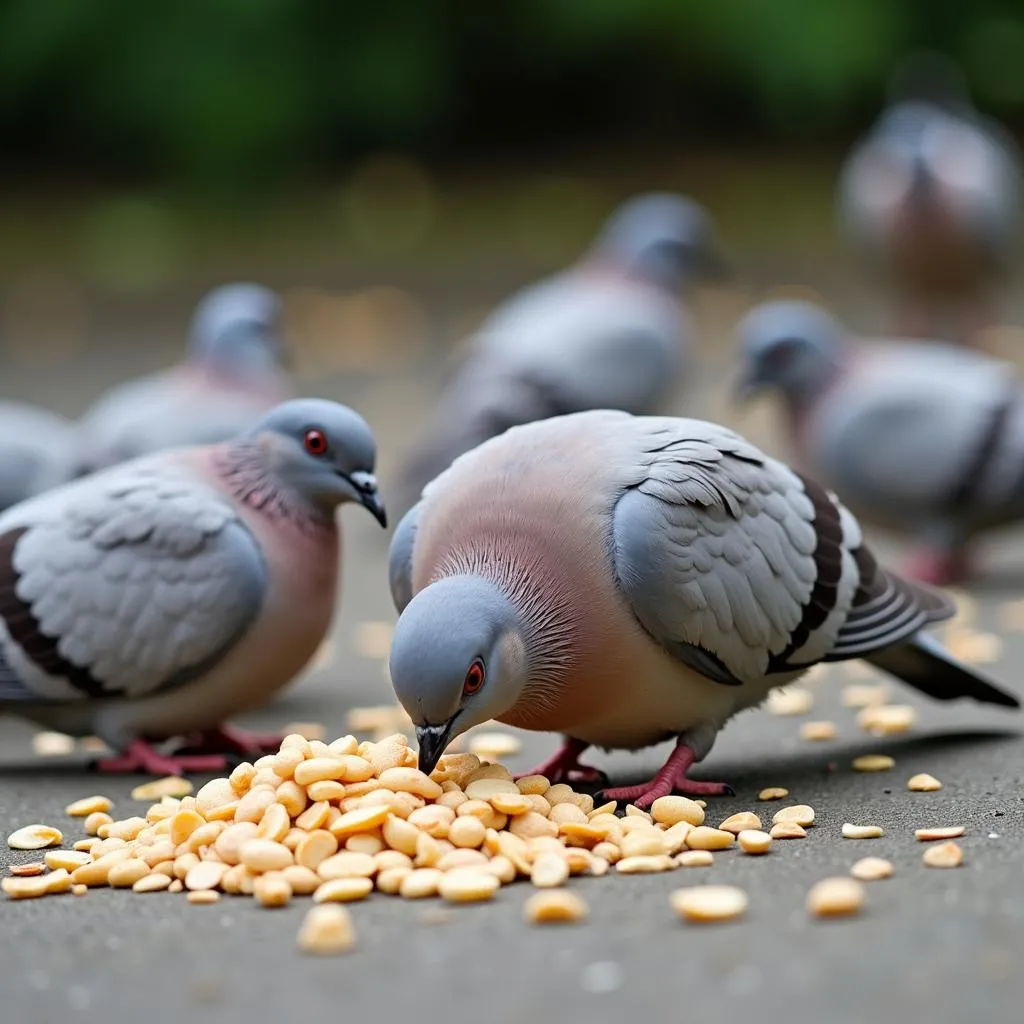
(932, 944)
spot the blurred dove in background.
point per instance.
(925, 439)
(38, 450)
(931, 200)
(626, 580)
(608, 332)
(169, 593)
(231, 376)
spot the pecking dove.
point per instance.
(625, 580)
(38, 451)
(609, 332)
(232, 376)
(162, 596)
(931, 198)
(925, 439)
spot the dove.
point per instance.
(925, 439)
(231, 376)
(930, 198)
(608, 332)
(625, 580)
(38, 451)
(159, 597)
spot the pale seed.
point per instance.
(467, 885)
(35, 837)
(363, 819)
(170, 785)
(52, 744)
(945, 855)
(851, 831)
(556, 906)
(26, 888)
(126, 873)
(549, 871)
(327, 930)
(494, 745)
(206, 874)
(835, 897)
(709, 902)
(155, 882)
(704, 838)
(873, 763)
(791, 700)
(670, 810)
(203, 897)
(787, 830)
(743, 822)
(754, 841)
(923, 783)
(67, 859)
(801, 814)
(872, 869)
(695, 859)
(347, 864)
(926, 835)
(421, 883)
(89, 805)
(864, 696)
(343, 890)
(818, 731)
(887, 719)
(645, 865)
(272, 890)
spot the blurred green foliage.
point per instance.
(247, 93)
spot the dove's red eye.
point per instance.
(315, 442)
(474, 678)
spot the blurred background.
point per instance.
(398, 168)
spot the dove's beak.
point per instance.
(365, 485)
(432, 739)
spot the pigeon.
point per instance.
(931, 199)
(38, 450)
(626, 580)
(925, 439)
(230, 378)
(158, 598)
(609, 332)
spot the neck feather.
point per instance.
(244, 467)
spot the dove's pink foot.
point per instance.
(939, 567)
(671, 779)
(564, 765)
(227, 739)
(140, 757)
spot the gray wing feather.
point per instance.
(138, 579)
(714, 550)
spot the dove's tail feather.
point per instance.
(925, 664)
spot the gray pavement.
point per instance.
(932, 944)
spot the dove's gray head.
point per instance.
(663, 238)
(458, 658)
(322, 451)
(236, 329)
(793, 346)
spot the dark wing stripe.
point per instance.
(961, 496)
(885, 610)
(24, 628)
(828, 564)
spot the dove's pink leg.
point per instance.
(564, 765)
(139, 756)
(228, 739)
(671, 779)
(938, 566)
